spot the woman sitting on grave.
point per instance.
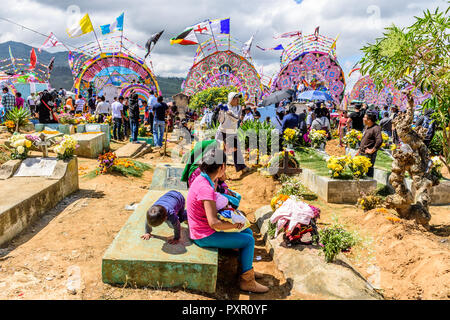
(208, 230)
(192, 171)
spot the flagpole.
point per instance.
(212, 33)
(204, 56)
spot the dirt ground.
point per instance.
(79, 230)
(407, 261)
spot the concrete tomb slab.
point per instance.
(309, 274)
(36, 167)
(24, 199)
(129, 150)
(167, 177)
(90, 145)
(155, 263)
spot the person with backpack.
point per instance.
(321, 123)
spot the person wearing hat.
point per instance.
(229, 116)
(248, 115)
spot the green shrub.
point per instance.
(212, 97)
(336, 239)
(293, 187)
(436, 146)
(18, 116)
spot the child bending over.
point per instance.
(170, 208)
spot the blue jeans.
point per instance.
(134, 125)
(243, 241)
(117, 129)
(158, 132)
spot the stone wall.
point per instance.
(336, 191)
(440, 194)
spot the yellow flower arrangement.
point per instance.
(352, 138)
(385, 138)
(290, 135)
(370, 202)
(337, 165)
(359, 166)
(317, 137)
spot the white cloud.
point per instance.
(357, 22)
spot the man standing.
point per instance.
(227, 131)
(117, 114)
(79, 104)
(126, 121)
(394, 114)
(91, 104)
(31, 103)
(103, 109)
(8, 100)
(291, 120)
(386, 124)
(356, 118)
(371, 141)
(134, 116)
(159, 123)
(152, 101)
(309, 118)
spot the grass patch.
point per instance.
(383, 161)
(310, 159)
(126, 168)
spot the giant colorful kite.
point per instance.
(365, 90)
(217, 64)
(311, 61)
(109, 66)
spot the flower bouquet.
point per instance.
(65, 147)
(22, 144)
(385, 144)
(437, 167)
(106, 162)
(337, 165)
(359, 166)
(353, 138)
(290, 137)
(10, 125)
(318, 138)
(278, 160)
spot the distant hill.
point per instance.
(61, 76)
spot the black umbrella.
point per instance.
(277, 97)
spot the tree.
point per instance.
(418, 56)
(212, 97)
(415, 57)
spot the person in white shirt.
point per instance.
(229, 116)
(31, 103)
(117, 114)
(103, 109)
(248, 115)
(79, 104)
(151, 103)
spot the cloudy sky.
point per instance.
(357, 21)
